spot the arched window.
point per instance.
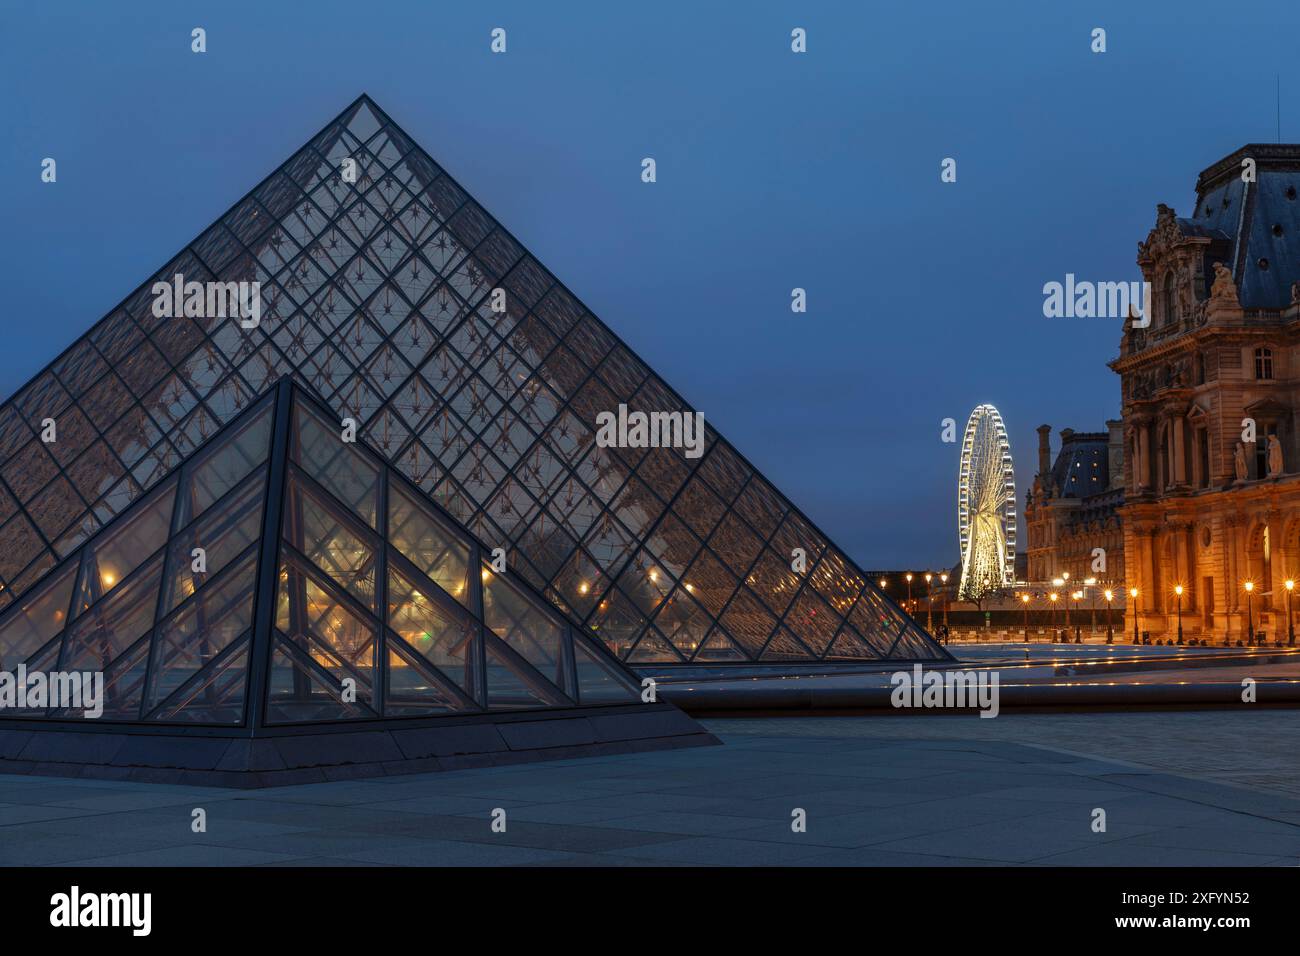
(1263, 363)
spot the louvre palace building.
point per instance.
(1209, 400)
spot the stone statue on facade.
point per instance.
(1224, 289)
(1239, 461)
(1274, 456)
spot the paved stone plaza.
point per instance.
(878, 791)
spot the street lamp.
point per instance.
(1110, 617)
(1075, 597)
(944, 578)
(1052, 597)
(1178, 592)
(1133, 593)
(1092, 605)
(1250, 612)
(1290, 624)
(929, 603)
(911, 609)
(1024, 599)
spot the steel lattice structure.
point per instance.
(986, 505)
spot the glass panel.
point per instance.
(735, 544)
(320, 624)
(784, 646)
(813, 621)
(531, 631)
(215, 695)
(849, 646)
(773, 581)
(444, 637)
(104, 632)
(718, 648)
(222, 468)
(201, 630)
(27, 627)
(413, 688)
(318, 446)
(748, 622)
(599, 682)
(513, 686)
(299, 691)
(123, 685)
(653, 648)
(428, 545)
(683, 622)
(115, 554)
(320, 531)
(223, 534)
(616, 622)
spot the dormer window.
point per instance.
(1263, 363)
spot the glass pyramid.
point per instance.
(378, 295)
(350, 597)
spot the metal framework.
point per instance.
(377, 296)
(986, 506)
(330, 591)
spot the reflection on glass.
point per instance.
(110, 558)
(319, 448)
(525, 626)
(327, 536)
(428, 545)
(36, 619)
(444, 637)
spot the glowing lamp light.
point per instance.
(1132, 592)
(1290, 585)
(583, 588)
(1250, 585)
(1109, 594)
(1178, 589)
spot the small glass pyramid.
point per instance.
(350, 597)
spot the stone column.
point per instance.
(1144, 456)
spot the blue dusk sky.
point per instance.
(775, 170)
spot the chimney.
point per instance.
(1044, 449)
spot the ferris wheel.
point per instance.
(986, 505)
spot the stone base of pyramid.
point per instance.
(315, 754)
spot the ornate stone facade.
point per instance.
(1072, 511)
(1210, 392)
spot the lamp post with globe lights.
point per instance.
(1133, 593)
(1290, 624)
(1250, 612)
(1178, 593)
(1110, 617)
